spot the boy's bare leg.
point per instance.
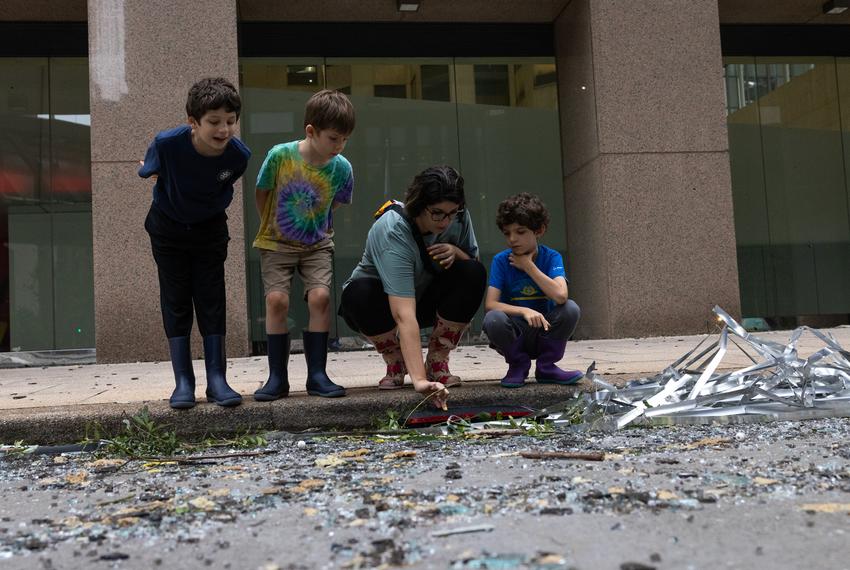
(319, 306)
(277, 310)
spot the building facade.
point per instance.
(689, 153)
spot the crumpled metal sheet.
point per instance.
(779, 384)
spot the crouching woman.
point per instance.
(420, 269)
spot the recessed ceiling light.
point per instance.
(834, 7)
(408, 5)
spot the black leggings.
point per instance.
(455, 294)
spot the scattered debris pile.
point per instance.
(779, 385)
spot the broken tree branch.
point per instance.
(585, 456)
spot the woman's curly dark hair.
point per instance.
(523, 209)
(433, 185)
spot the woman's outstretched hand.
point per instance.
(440, 392)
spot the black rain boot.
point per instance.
(316, 353)
(218, 391)
(183, 396)
(277, 386)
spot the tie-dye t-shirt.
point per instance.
(298, 211)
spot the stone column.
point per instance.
(143, 58)
(647, 187)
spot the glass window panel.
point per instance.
(741, 86)
(495, 158)
(302, 76)
(45, 205)
(23, 149)
(843, 81)
(843, 75)
(70, 131)
(30, 278)
(24, 131)
(748, 192)
(789, 186)
(492, 86)
(73, 291)
(436, 82)
(804, 182)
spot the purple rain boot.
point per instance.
(519, 363)
(551, 351)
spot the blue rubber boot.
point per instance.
(277, 386)
(316, 354)
(183, 396)
(550, 351)
(218, 391)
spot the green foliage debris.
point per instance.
(141, 436)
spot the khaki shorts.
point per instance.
(315, 266)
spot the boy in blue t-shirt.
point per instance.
(299, 186)
(529, 314)
(195, 166)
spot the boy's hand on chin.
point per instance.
(522, 262)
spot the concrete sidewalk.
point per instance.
(54, 404)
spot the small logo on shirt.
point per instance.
(224, 175)
(528, 290)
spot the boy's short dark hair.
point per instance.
(212, 93)
(330, 109)
(523, 209)
(433, 185)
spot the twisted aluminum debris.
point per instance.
(779, 385)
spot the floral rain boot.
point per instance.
(444, 338)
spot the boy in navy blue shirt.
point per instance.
(195, 166)
(529, 312)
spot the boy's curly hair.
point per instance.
(523, 209)
(330, 109)
(212, 93)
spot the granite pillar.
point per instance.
(143, 58)
(647, 186)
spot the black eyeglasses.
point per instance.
(439, 215)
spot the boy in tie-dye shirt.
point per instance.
(298, 187)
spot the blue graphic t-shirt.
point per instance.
(190, 187)
(517, 287)
(298, 211)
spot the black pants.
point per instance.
(190, 262)
(455, 294)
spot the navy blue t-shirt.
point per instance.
(517, 287)
(191, 187)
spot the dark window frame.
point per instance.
(394, 39)
(785, 41)
(44, 39)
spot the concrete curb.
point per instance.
(359, 410)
